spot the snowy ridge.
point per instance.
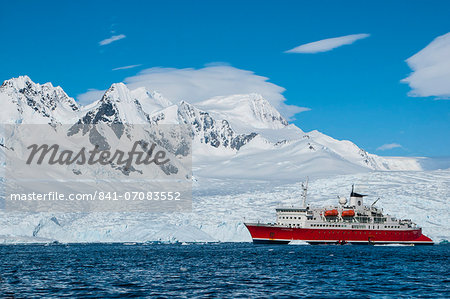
(247, 160)
(236, 130)
(24, 101)
(150, 101)
(117, 106)
(209, 131)
(245, 110)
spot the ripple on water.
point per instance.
(236, 270)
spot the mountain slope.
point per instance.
(24, 101)
(244, 111)
(241, 164)
(234, 136)
(117, 106)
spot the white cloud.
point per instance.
(431, 69)
(195, 85)
(328, 44)
(112, 39)
(90, 96)
(389, 146)
(126, 67)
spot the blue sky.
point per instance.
(354, 91)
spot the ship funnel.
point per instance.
(356, 199)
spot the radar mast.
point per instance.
(304, 192)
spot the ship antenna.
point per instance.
(305, 191)
(375, 202)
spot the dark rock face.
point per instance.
(209, 130)
(44, 99)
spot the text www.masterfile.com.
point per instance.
(98, 195)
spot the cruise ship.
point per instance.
(349, 222)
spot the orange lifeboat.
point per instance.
(331, 213)
(348, 213)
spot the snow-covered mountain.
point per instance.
(234, 136)
(24, 101)
(244, 112)
(244, 154)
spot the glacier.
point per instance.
(247, 159)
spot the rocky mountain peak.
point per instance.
(24, 100)
(244, 110)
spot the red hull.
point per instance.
(262, 233)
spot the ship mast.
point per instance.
(305, 192)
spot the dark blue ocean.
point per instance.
(223, 270)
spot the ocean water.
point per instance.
(223, 270)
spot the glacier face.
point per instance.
(246, 160)
(220, 208)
